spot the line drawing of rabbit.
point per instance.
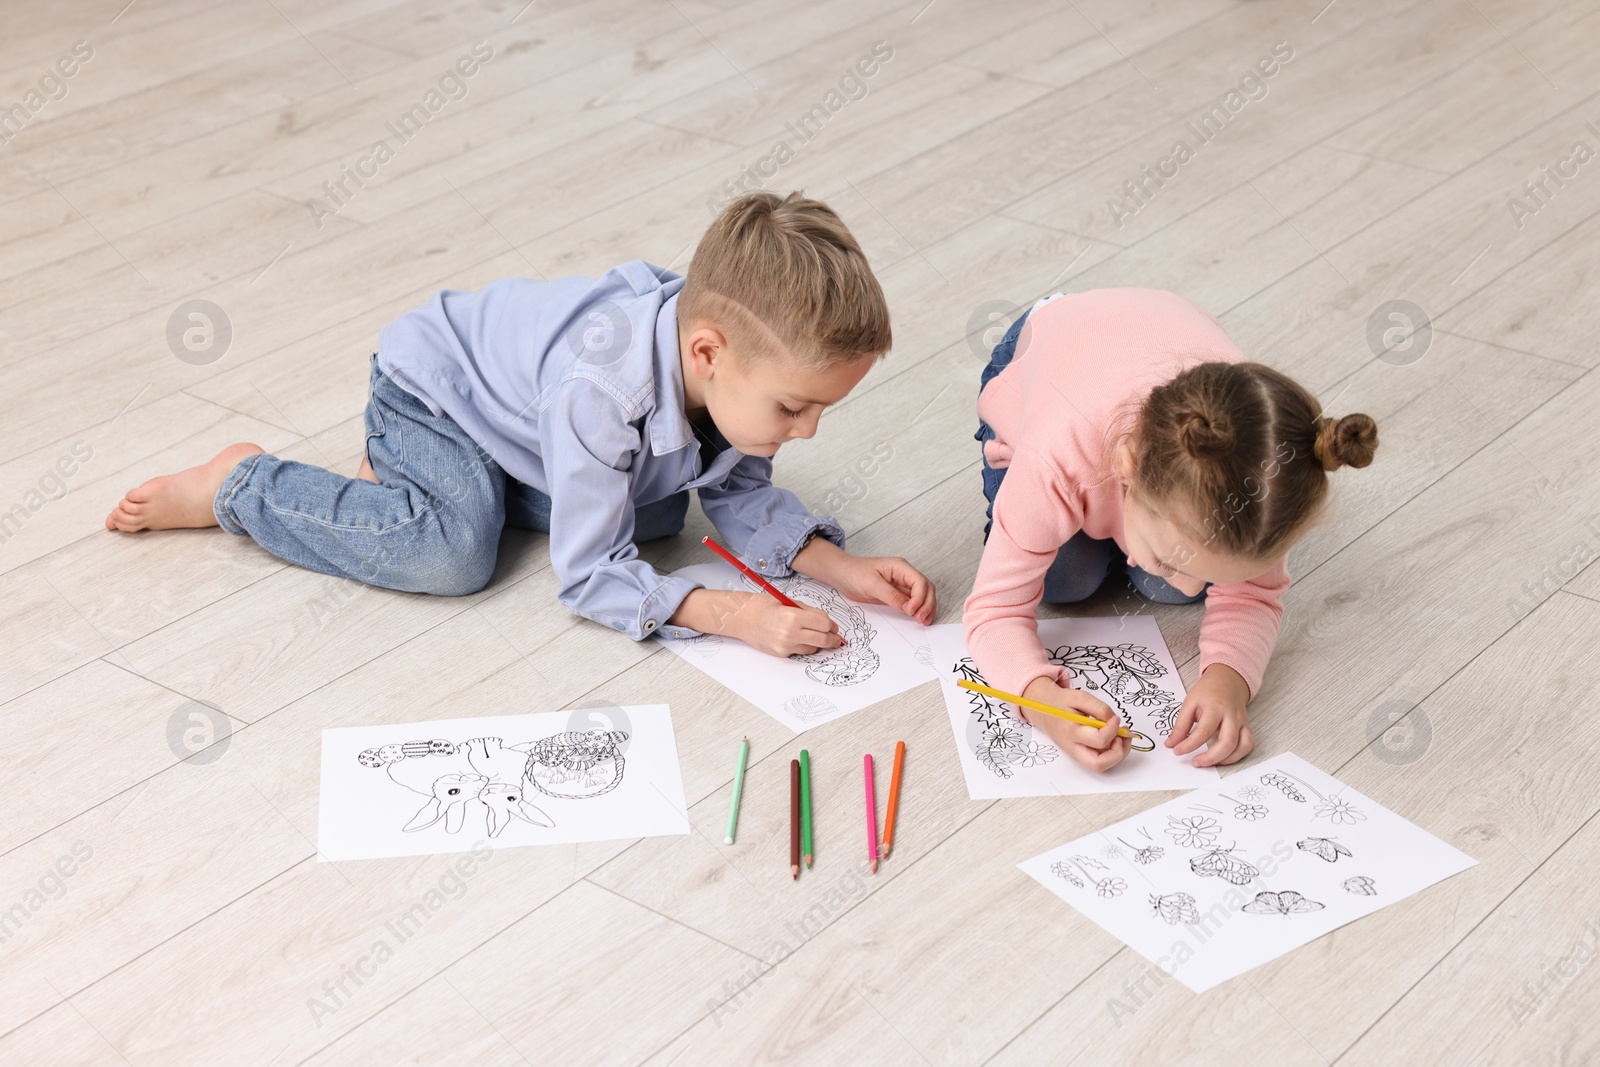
(505, 804)
(481, 778)
(450, 795)
(854, 662)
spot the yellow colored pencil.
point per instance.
(1048, 709)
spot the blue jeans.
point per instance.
(1081, 565)
(432, 523)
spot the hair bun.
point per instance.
(1204, 436)
(1346, 442)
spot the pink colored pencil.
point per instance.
(872, 814)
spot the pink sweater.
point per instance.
(1084, 363)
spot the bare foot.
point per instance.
(366, 472)
(178, 501)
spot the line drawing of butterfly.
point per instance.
(1175, 908)
(1361, 885)
(1287, 902)
(1220, 863)
(1325, 848)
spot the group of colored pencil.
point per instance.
(800, 842)
(801, 845)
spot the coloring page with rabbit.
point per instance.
(450, 785)
(1122, 661)
(1225, 878)
(878, 660)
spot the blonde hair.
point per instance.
(777, 273)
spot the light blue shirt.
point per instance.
(574, 387)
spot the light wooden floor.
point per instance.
(1452, 578)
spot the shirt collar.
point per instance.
(669, 426)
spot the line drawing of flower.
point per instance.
(1338, 810)
(1146, 854)
(1034, 754)
(1252, 812)
(1110, 887)
(1111, 852)
(1062, 869)
(1195, 831)
(1002, 737)
(1252, 792)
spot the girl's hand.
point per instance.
(887, 580)
(1097, 749)
(1214, 711)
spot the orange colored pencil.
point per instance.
(894, 800)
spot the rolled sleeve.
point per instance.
(761, 522)
(589, 450)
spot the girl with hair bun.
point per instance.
(1123, 426)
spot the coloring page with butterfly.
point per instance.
(1225, 878)
(1123, 662)
(459, 785)
(878, 660)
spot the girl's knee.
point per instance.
(1079, 569)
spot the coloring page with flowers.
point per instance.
(1227, 877)
(1123, 661)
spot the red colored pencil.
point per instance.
(754, 577)
(872, 814)
(794, 818)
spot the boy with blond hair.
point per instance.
(588, 408)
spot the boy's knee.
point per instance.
(463, 574)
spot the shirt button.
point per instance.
(761, 564)
(649, 624)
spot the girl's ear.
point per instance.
(1122, 459)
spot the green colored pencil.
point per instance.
(805, 806)
(738, 789)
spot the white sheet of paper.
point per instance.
(878, 660)
(451, 785)
(1211, 884)
(1122, 660)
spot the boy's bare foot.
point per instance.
(178, 501)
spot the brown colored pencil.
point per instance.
(794, 818)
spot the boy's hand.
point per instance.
(759, 621)
(1214, 711)
(764, 623)
(1097, 749)
(887, 580)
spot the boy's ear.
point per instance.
(706, 348)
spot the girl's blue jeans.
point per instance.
(432, 523)
(1081, 565)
